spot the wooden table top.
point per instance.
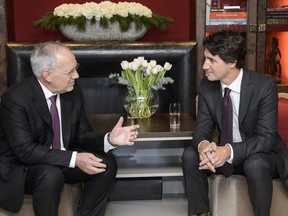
(154, 127)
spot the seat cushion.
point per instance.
(229, 196)
(70, 198)
(283, 119)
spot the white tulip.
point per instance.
(167, 66)
(145, 63)
(156, 69)
(134, 66)
(148, 70)
(137, 62)
(160, 68)
(130, 65)
(141, 58)
(124, 65)
(152, 63)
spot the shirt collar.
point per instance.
(235, 86)
(46, 91)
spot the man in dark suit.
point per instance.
(29, 163)
(256, 149)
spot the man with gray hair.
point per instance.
(40, 152)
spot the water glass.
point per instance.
(174, 115)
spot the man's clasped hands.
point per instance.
(213, 156)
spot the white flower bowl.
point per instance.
(95, 32)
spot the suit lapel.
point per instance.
(66, 116)
(40, 102)
(245, 94)
(217, 96)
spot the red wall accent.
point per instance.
(28, 11)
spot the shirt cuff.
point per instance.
(107, 145)
(72, 163)
(230, 160)
(201, 143)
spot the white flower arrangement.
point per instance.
(104, 9)
(105, 12)
(140, 74)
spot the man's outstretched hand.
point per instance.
(120, 136)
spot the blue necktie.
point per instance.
(55, 122)
(227, 128)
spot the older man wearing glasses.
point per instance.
(40, 151)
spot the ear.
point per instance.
(233, 64)
(46, 74)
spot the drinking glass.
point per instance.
(174, 115)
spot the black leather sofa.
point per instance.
(98, 60)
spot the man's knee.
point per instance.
(111, 164)
(190, 157)
(50, 178)
(257, 164)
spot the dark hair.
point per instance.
(228, 45)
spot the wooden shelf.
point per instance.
(282, 87)
(215, 28)
(257, 36)
(276, 27)
(141, 172)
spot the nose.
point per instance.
(205, 65)
(75, 75)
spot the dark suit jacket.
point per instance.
(26, 135)
(258, 119)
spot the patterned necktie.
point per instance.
(55, 122)
(227, 128)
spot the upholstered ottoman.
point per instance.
(70, 199)
(229, 197)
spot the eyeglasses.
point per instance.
(70, 73)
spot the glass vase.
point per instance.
(141, 104)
